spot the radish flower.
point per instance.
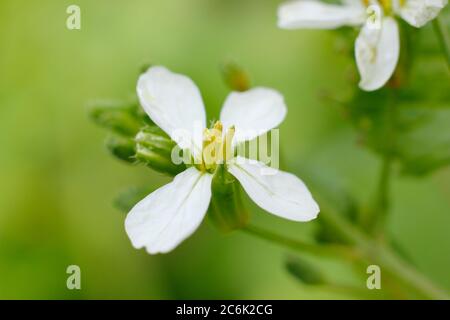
(173, 212)
(377, 47)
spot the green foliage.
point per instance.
(408, 119)
(341, 201)
(426, 147)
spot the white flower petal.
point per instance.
(253, 112)
(280, 193)
(377, 51)
(419, 12)
(318, 15)
(174, 103)
(170, 214)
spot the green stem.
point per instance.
(360, 247)
(443, 38)
(376, 253)
(409, 276)
(365, 251)
(329, 250)
(383, 186)
(376, 217)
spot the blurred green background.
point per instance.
(57, 180)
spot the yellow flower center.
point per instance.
(387, 5)
(217, 148)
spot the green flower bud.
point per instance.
(304, 271)
(235, 77)
(123, 119)
(154, 148)
(122, 147)
(226, 210)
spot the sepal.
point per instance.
(226, 210)
(154, 148)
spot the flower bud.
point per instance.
(304, 271)
(122, 148)
(226, 209)
(154, 148)
(235, 77)
(123, 119)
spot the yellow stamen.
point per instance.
(212, 142)
(216, 148)
(387, 5)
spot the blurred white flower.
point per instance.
(377, 47)
(172, 213)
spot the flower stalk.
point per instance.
(364, 252)
(335, 251)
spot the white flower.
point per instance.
(377, 47)
(172, 213)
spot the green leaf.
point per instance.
(416, 136)
(427, 147)
(429, 83)
(336, 196)
(370, 113)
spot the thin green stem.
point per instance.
(443, 38)
(364, 251)
(376, 253)
(409, 276)
(375, 220)
(382, 196)
(360, 247)
(383, 185)
(298, 245)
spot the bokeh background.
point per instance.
(58, 182)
